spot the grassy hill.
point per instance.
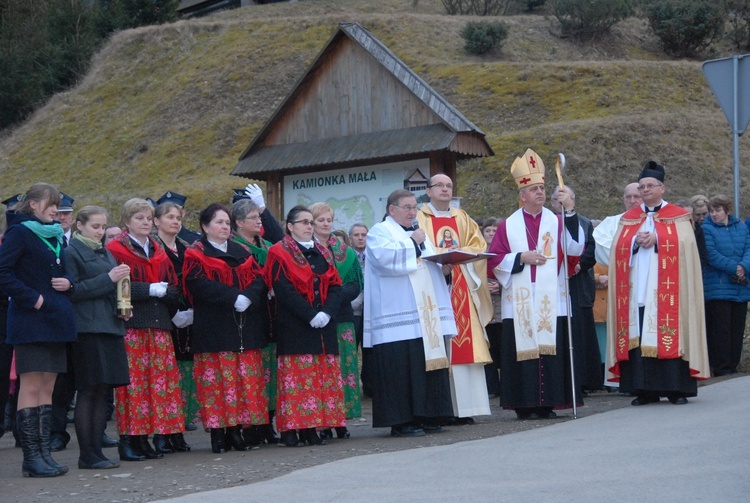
(172, 107)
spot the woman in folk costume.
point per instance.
(307, 290)
(151, 403)
(168, 222)
(351, 277)
(247, 231)
(40, 319)
(225, 285)
(99, 356)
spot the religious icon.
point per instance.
(124, 308)
(447, 241)
(547, 249)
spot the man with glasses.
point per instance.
(534, 367)
(451, 228)
(407, 316)
(656, 334)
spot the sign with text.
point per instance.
(357, 195)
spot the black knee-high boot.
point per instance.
(27, 423)
(130, 449)
(45, 429)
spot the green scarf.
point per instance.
(45, 231)
(91, 243)
(346, 262)
(259, 252)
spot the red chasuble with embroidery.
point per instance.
(673, 325)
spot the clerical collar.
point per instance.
(222, 247)
(651, 209)
(439, 213)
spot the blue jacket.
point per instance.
(726, 246)
(27, 266)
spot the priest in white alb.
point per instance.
(535, 374)
(407, 318)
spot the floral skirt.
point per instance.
(190, 404)
(268, 354)
(309, 392)
(349, 369)
(151, 403)
(231, 388)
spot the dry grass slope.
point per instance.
(172, 107)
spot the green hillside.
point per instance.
(172, 107)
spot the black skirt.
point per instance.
(41, 357)
(402, 390)
(100, 359)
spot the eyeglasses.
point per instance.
(649, 186)
(407, 208)
(303, 222)
(256, 217)
(441, 185)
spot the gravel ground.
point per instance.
(201, 470)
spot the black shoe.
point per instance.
(463, 420)
(190, 427)
(678, 400)
(253, 436)
(129, 449)
(524, 414)
(233, 439)
(342, 432)
(217, 441)
(326, 434)
(147, 449)
(309, 436)
(431, 428)
(289, 439)
(269, 434)
(107, 441)
(546, 414)
(407, 430)
(162, 444)
(178, 442)
(59, 441)
(644, 400)
(99, 465)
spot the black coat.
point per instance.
(95, 294)
(27, 266)
(583, 285)
(216, 324)
(291, 325)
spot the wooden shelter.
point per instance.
(356, 105)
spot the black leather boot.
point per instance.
(147, 449)
(130, 449)
(178, 442)
(27, 422)
(45, 427)
(309, 436)
(217, 441)
(289, 439)
(162, 444)
(234, 439)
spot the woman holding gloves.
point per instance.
(307, 290)
(151, 403)
(225, 285)
(99, 356)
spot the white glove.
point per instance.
(357, 303)
(183, 318)
(157, 289)
(241, 304)
(255, 194)
(321, 319)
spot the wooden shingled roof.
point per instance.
(358, 103)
